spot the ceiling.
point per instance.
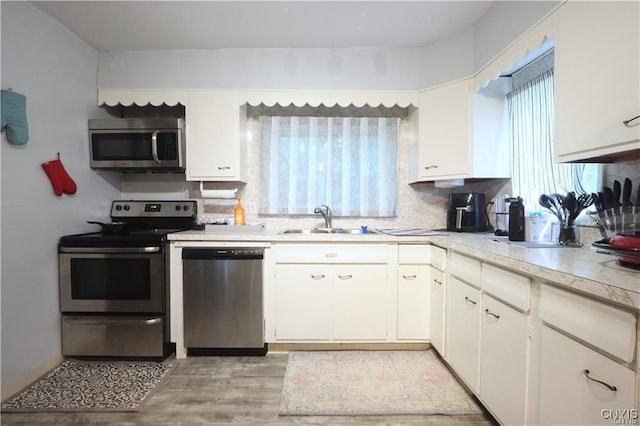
(167, 25)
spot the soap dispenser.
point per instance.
(238, 214)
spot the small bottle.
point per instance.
(238, 214)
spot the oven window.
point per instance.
(111, 279)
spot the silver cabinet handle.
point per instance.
(433, 166)
(345, 277)
(488, 312)
(409, 277)
(608, 386)
(224, 167)
(629, 121)
(437, 281)
(317, 277)
(154, 146)
(105, 321)
(116, 250)
(469, 300)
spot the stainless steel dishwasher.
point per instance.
(223, 303)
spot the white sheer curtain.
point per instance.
(531, 125)
(347, 163)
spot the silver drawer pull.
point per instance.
(224, 167)
(433, 166)
(113, 321)
(409, 277)
(437, 281)
(469, 300)
(611, 388)
(488, 312)
(317, 277)
(345, 277)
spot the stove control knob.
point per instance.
(118, 207)
(186, 207)
(126, 207)
(177, 208)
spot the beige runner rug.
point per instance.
(372, 383)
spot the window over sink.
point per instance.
(346, 158)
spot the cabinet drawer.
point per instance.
(330, 253)
(568, 396)
(413, 254)
(466, 268)
(510, 287)
(601, 325)
(437, 257)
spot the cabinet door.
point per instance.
(413, 302)
(463, 330)
(444, 129)
(568, 396)
(215, 149)
(303, 302)
(597, 79)
(436, 310)
(503, 361)
(360, 302)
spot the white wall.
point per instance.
(57, 73)
(502, 23)
(349, 68)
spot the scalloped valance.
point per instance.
(539, 38)
(128, 97)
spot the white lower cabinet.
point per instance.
(303, 302)
(463, 330)
(413, 292)
(437, 311)
(413, 302)
(504, 352)
(321, 296)
(359, 302)
(582, 387)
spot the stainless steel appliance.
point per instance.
(113, 285)
(467, 212)
(223, 303)
(137, 144)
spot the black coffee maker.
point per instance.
(467, 212)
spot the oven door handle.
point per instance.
(149, 249)
(105, 321)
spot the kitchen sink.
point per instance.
(352, 231)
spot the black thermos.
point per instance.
(516, 219)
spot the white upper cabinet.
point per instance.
(444, 133)
(216, 137)
(597, 81)
(449, 142)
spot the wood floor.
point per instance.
(224, 390)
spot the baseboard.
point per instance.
(15, 386)
(287, 347)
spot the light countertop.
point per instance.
(581, 269)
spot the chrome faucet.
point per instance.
(326, 214)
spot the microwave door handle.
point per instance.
(154, 146)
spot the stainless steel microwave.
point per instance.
(137, 144)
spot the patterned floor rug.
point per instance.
(92, 386)
(372, 383)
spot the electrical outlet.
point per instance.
(251, 208)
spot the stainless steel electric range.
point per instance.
(113, 283)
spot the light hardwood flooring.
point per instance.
(224, 390)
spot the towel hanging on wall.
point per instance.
(14, 117)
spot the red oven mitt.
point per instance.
(60, 179)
